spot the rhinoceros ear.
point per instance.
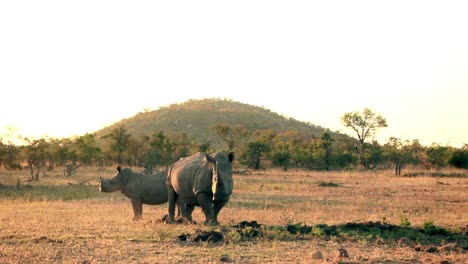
(119, 168)
(209, 158)
(231, 156)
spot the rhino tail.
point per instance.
(168, 176)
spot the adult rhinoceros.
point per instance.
(202, 180)
(140, 188)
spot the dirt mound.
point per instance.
(244, 224)
(202, 236)
(298, 228)
(248, 229)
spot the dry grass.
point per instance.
(97, 228)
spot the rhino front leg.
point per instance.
(217, 206)
(137, 205)
(205, 202)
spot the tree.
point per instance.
(344, 159)
(281, 155)
(258, 150)
(160, 151)
(10, 151)
(326, 142)
(70, 148)
(232, 136)
(136, 149)
(36, 155)
(2, 153)
(181, 146)
(398, 152)
(254, 154)
(120, 142)
(365, 125)
(417, 153)
(299, 148)
(62, 152)
(204, 146)
(87, 149)
(438, 156)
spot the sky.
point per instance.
(73, 67)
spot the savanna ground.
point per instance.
(302, 217)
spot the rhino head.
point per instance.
(222, 184)
(113, 184)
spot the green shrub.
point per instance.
(404, 222)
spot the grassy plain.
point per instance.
(375, 216)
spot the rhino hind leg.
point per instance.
(137, 205)
(172, 199)
(188, 211)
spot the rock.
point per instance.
(225, 258)
(182, 237)
(342, 253)
(317, 254)
(432, 250)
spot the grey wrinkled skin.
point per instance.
(140, 188)
(200, 180)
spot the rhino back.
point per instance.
(190, 176)
(151, 189)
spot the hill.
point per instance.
(196, 118)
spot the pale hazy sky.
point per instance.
(72, 67)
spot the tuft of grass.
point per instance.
(328, 184)
(404, 222)
(436, 174)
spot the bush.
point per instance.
(432, 230)
(459, 159)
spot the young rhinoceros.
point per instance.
(140, 188)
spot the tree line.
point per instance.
(254, 149)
